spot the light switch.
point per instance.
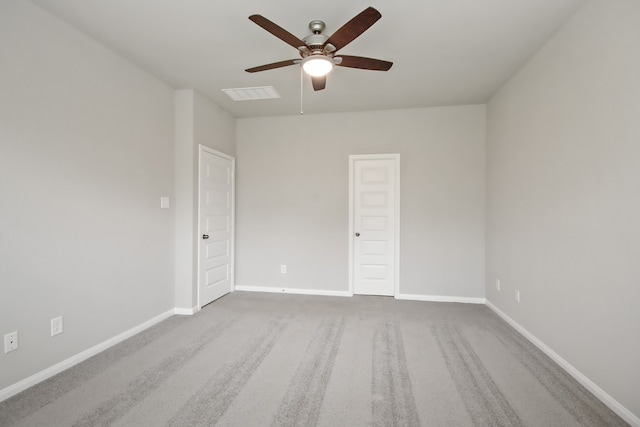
(164, 203)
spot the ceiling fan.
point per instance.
(318, 51)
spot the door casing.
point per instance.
(396, 228)
(202, 149)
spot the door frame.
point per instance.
(396, 229)
(232, 225)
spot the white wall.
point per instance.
(85, 155)
(563, 206)
(292, 198)
(198, 122)
(213, 126)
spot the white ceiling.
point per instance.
(445, 52)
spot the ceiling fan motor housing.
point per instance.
(315, 45)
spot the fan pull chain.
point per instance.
(301, 89)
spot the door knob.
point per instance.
(205, 236)
(357, 234)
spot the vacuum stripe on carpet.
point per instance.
(574, 398)
(210, 402)
(392, 395)
(303, 399)
(148, 381)
(484, 402)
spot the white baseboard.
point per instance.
(439, 298)
(186, 311)
(16, 388)
(613, 404)
(293, 291)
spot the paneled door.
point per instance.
(216, 225)
(374, 227)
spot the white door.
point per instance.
(374, 210)
(216, 220)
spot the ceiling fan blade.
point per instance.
(273, 65)
(319, 83)
(363, 63)
(352, 29)
(277, 31)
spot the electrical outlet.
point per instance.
(517, 296)
(56, 326)
(498, 285)
(283, 269)
(11, 341)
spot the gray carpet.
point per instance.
(254, 359)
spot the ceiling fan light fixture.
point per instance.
(317, 65)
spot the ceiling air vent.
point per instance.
(252, 93)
